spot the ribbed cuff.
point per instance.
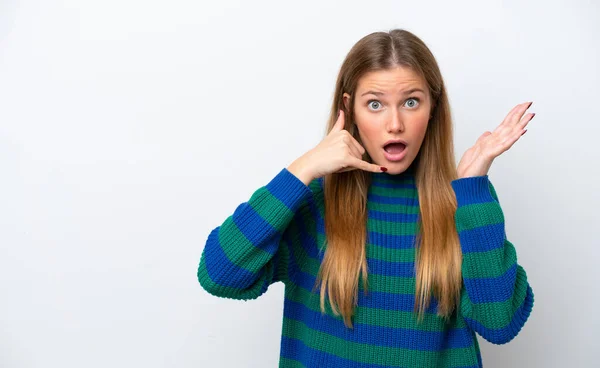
(290, 190)
(473, 189)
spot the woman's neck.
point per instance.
(386, 180)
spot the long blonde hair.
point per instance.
(438, 256)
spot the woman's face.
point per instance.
(391, 104)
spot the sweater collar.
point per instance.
(401, 180)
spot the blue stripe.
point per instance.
(296, 350)
(216, 261)
(393, 217)
(492, 289)
(309, 357)
(385, 268)
(507, 333)
(380, 239)
(293, 267)
(391, 200)
(307, 240)
(378, 335)
(315, 212)
(407, 185)
(471, 190)
(483, 238)
(288, 189)
(373, 299)
(391, 241)
(255, 228)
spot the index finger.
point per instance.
(364, 165)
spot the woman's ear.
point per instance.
(346, 99)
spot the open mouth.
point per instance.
(395, 151)
(394, 148)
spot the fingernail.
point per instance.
(338, 114)
(525, 131)
(532, 115)
(384, 169)
(531, 103)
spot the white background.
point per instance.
(130, 129)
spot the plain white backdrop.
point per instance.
(130, 129)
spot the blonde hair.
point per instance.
(438, 256)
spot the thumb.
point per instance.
(340, 122)
(485, 134)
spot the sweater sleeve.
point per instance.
(244, 255)
(496, 298)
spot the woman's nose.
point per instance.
(395, 124)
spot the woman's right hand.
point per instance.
(337, 152)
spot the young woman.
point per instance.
(391, 256)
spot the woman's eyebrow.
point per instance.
(405, 92)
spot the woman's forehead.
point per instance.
(392, 81)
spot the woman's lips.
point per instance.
(395, 155)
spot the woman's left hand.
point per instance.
(478, 159)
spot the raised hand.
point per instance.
(337, 152)
(478, 159)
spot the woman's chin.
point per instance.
(394, 168)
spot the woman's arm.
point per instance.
(245, 254)
(496, 299)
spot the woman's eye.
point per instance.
(375, 101)
(412, 98)
(374, 104)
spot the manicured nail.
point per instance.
(525, 131)
(532, 115)
(531, 103)
(384, 169)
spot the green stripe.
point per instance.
(394, 180)
(496, 315)
(486, 264)
(364, 353)
(282, 271)
(476, 215)
(392, 228)
(390, 254)
(380, 252)
(376, 316)
(392, 208)
(290, 363)
(236, 246)
(271, 209)
(228, 292)
(394, 192)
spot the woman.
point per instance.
(390, 255)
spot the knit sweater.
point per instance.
(278, 235)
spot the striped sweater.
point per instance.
(278, 235)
